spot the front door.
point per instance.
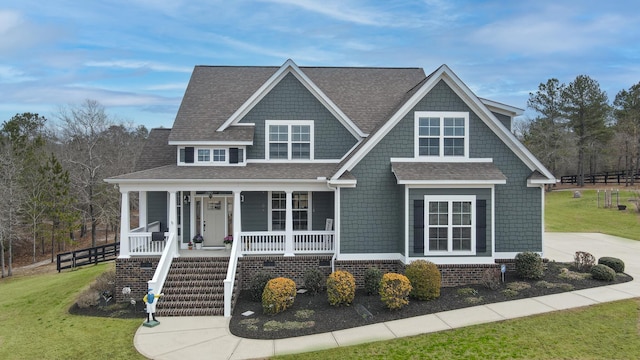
(214, 221)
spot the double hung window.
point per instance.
(289, 140)
(300, 210)
(449, 222)
(442, 134)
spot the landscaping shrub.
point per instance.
(616, 264)
(313, 280)
(372, 278)
(583, 261)
(425, 279)
(394, 290)
(88, 298)
(257, 284)
(105, 283)
(278, 295)
(603, 272)
(341, 288)
(491, 279)
(529, 265)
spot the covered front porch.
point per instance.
(297, 220)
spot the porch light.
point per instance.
(186, 199)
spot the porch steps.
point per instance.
(194, 287)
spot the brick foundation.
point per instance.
(289, 267)
(134, 273)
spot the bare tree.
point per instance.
(82, 131)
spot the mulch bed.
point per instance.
(326, 318)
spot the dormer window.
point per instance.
(289, 140)
(211, 156)
(441, 134)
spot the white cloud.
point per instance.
(134, 64)
(17, 33)
(9, 74)
(551, 31)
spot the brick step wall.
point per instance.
(194, 287)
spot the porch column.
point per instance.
(124, 225)
(288, 244)
(237, 221)
(142, 209)
(173, 220)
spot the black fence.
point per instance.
(619, 177)
(88, 256)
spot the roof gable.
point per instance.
(289, 67)
(471, 100)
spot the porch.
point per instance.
(143, 243)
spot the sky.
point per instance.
(135, 57)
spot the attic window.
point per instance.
(441, 134)
(289, 140)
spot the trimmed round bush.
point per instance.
(529, 265)
(425, 280)
(313, 280)
(616, 264)
(603, 272)
(279, 295)
(372, 277)
(257, 284)
(341, 288)
(394, 290)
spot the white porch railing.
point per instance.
(157, 282)
(313, 242)
(140, 243)
(274, 242)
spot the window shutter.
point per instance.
(233, 155)
(188, 155)
(418, 226)
(481, 226)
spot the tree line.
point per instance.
(578, 131)
(51, 177)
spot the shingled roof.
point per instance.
(214, 93)
(156, 151)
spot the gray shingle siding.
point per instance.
(157, 208)
(322, 209)
(504, 119)
(255, 211)
(290, 100)
(372, 214)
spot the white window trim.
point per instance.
(309, 211)
(450, 199)
(226, 156)
(441, 115)
(289, 123)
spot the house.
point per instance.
(331, 167)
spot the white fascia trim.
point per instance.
(502, 108)
(443, 160)
(536, 183)
(290, 67)
(228, 186)
(455, 260)
(493, 123)
(452, 182)
(343, 183)
(204, 143)
(373, 256)
(452, 186)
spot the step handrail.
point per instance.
(229, 281)
(160, 275)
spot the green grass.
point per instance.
(598, 332)
(563, 213)
(35, 323)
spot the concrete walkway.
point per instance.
(209, 337)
